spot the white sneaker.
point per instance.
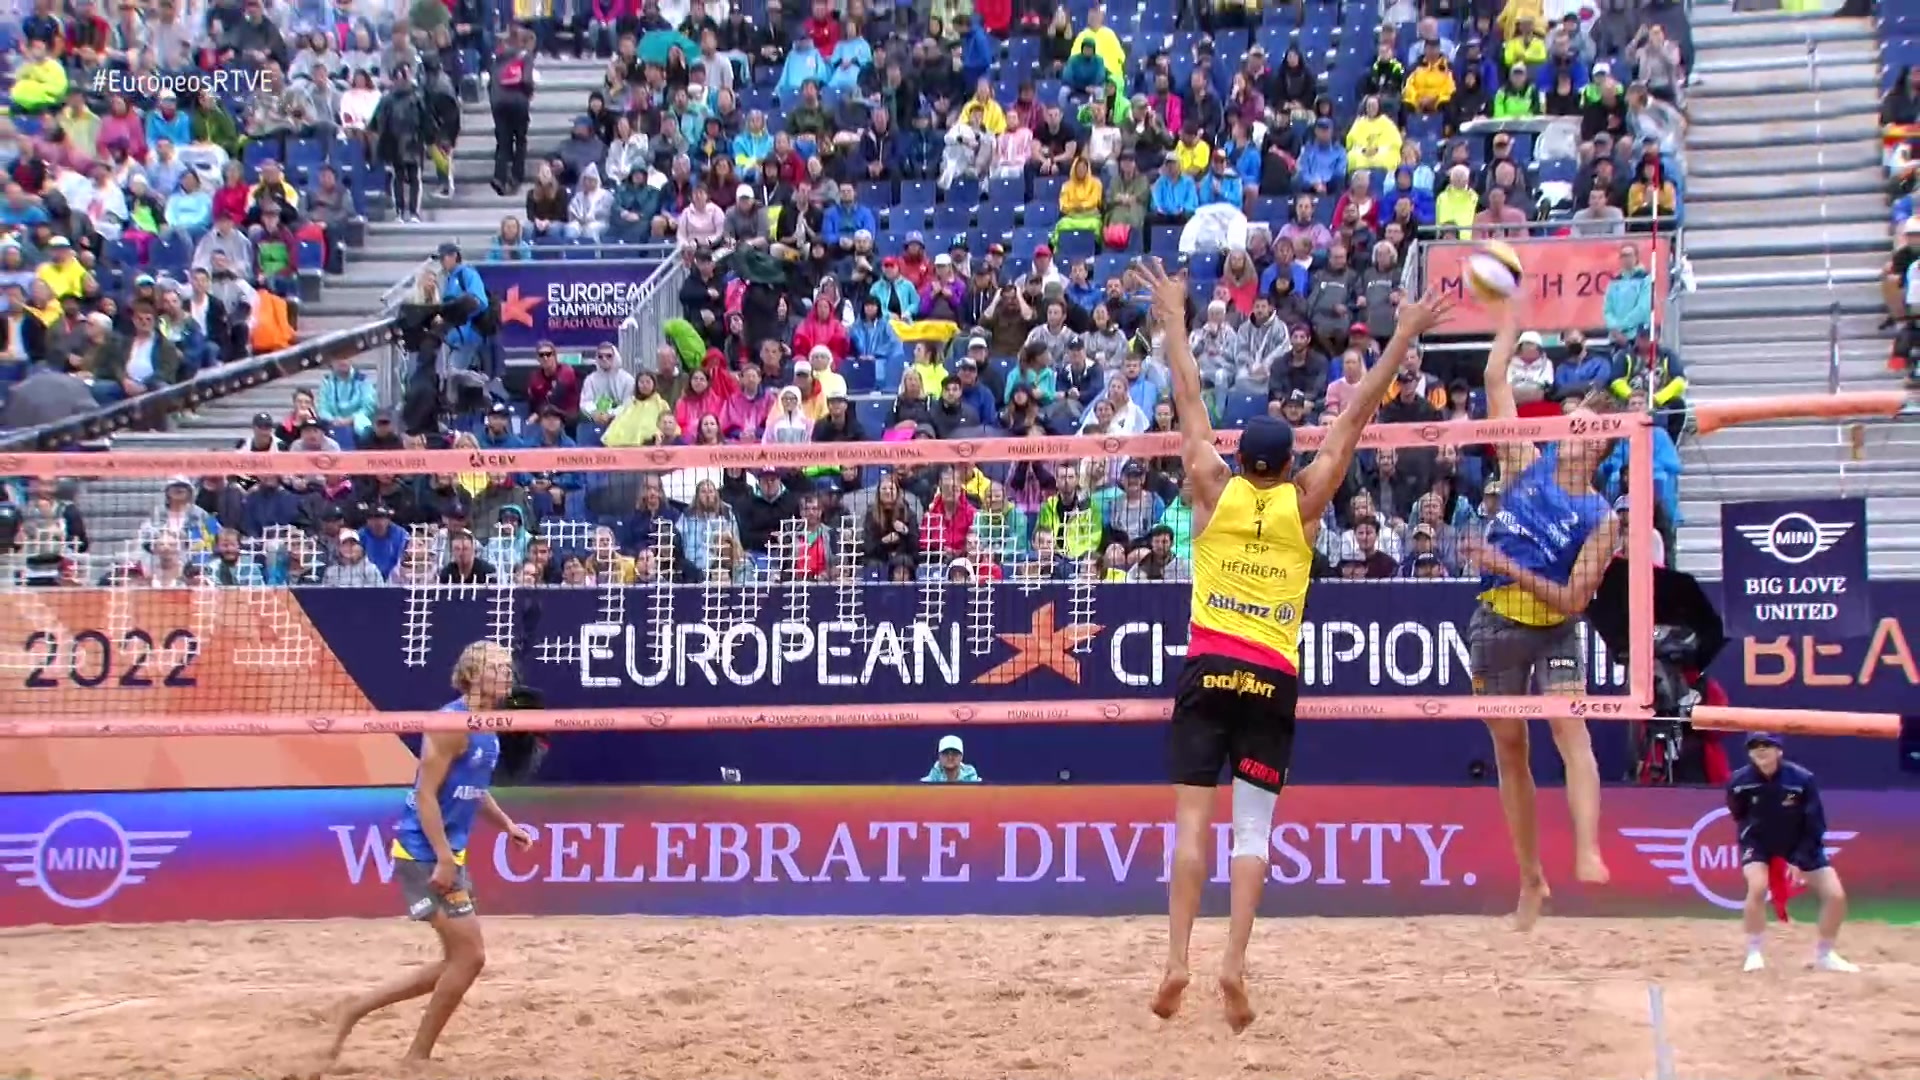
(1833, 961)
(1755, 962)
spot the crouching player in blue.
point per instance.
(1776, 807)
(430, 853)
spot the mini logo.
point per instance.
(963, 713)
(657, 719)
(83, 858)
(1430, 708)
(965, 450)
(659, 457)
(1111, 710)
(1110, 445)
(325, 462)
(1430, 433)
(1685, 857)
(1794, 538)
(321, 724)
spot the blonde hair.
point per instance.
(473, 660)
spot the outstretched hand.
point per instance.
(1424, 314)
(1168, 290)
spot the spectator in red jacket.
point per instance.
(554, 383)
(949, 517)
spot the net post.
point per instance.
(1640, 511)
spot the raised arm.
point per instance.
(1317, 483)
(1571, 598)
(1203, 463)
(1514, 456)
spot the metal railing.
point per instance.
(658, 300)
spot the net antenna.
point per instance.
(324, 697)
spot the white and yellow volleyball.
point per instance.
(1493, 271)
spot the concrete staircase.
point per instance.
(116, 508)
(1786, 230)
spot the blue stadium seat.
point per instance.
(916, 193)
(1241, 408)
(996, 218)
(859, 375)
(953, 216)
(1076, 244)
(873, 413)
(304, 158)
(1106, 267)
(1046, 191)
(253, 155)
(311, 255)
(171, 253)
(1026, 239)
(876, 194)
(1165, 241)
(964, 192)
(123, 253)
(1003, 365)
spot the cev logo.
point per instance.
(1710, 869)
(82, 859)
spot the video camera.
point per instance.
(1688, 634)
(521, 754)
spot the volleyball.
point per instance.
(1493, 271)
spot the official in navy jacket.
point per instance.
(1782, 826)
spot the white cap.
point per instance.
(820, 354)
(744, 191)
(346, 535)
(952, 742)
(801, 368)
(943, 259)
(977, 343)
(1531, 338)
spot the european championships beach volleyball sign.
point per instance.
(575, 305)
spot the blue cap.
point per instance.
(1764, 738)
(1266, 445)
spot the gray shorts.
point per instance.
(423, 900)
(1511, 658)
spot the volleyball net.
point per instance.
(700, 587)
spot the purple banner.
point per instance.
(575, 305)
(1796, 566)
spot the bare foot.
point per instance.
(1166, 1000)
(1591, 868)
(1532, 899)
(341, 1020)
(1233, 990)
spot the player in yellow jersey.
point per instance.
(1252, 556)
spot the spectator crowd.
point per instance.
(911, 224)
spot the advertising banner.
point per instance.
(575, 305)
(1083, 850)
(1796, 566)
(84, 653)
(1565, 278)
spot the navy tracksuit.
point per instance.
(1779, 817)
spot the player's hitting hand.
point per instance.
(521, 835)
(1168, 290)
(1424, 314)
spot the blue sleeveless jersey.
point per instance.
(460, 794)
(1541, 527)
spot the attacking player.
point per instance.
(1542, 558)
(1776, 808)
(430, 853)
(1252, 557)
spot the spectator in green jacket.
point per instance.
(1518, 98)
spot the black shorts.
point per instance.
(1806, 864)
(1230, 713)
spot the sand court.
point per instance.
(965, 999)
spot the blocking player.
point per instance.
(1252, 557)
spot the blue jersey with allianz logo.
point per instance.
(461, 792)
(1541, 527)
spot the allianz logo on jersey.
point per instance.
(82, 859)
(1795, 537)
(1221, 602)
(462, 793)
(1711, 869)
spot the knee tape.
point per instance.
(1252, 820)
